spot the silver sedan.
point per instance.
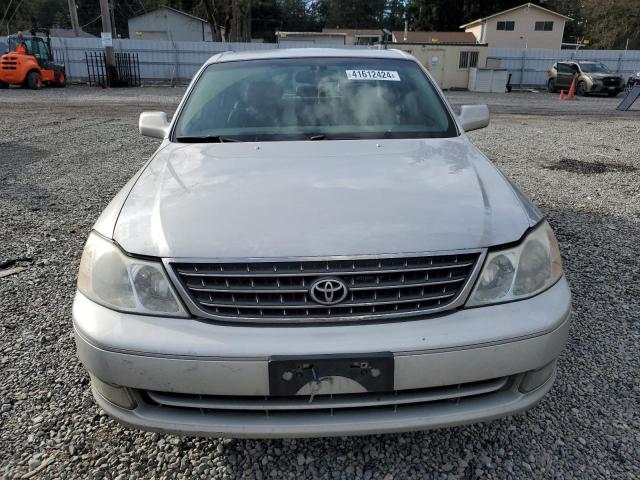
(316, 248)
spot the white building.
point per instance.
(526, 26)
(167, 23)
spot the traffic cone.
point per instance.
(561, 94)
(572, 90)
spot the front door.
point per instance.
(40, 51)
(565, 76)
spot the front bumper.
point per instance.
(193, 358)
(12, 77)
(599, 87)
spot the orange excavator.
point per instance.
(29, 62)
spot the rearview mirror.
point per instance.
(154, 124)
(473, 117)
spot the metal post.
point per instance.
(110, 59)
(113, 18)
(73, 13)
(67, 61)
(619, 69)
(137, 67)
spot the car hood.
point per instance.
(317, 198)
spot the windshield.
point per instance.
(314, 98)
(594, 68)
(13, 44)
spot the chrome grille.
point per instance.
(302, 403)
(278, 291)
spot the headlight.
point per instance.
(110, 278)
(519, 272)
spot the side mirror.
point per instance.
(473, 117)
(154, 124)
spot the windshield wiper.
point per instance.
(206, 139)
(322, 136)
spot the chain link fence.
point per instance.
(529, 66)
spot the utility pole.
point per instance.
(112, 9)
(107, 43)
(73, 12)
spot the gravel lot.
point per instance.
(64, 154)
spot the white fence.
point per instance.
(529, 66)
(177, 62)
(160, 61)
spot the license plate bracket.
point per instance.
(373, 371)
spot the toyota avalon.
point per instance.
(316, 248)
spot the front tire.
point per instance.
(34, 81)
(581, 89)
(551, 85)
(3, 85)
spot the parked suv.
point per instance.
(591, 77)
(316, 248)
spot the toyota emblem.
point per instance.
(328, 291)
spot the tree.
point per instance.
(394, 15)
(355, 13)
(606, 23)
(238, 21)
(612, 23)
(443, 15)
(210, 8)
(265, 18)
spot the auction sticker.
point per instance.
(387, 75)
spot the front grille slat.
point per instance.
(281, 304)
(325, 402)
(380, 286)
(375, 286)
(248, 290)
(316, 273)
(276, 290)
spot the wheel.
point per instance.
(551, 85)
(613, 94)
(61, 80)
(34, 81)
(4, 85)
(581, 88)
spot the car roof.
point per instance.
(308, 53)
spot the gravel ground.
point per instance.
(64, 154)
